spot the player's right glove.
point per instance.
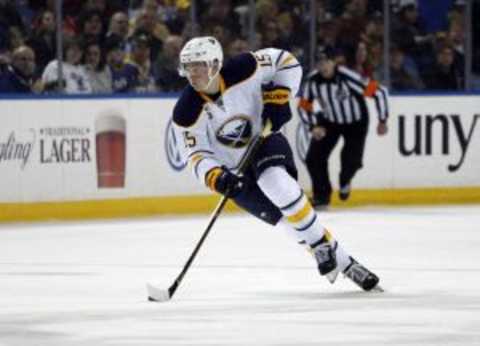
(221, 180)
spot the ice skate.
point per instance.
(324, 253)
(361, 276)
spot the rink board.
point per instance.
(49, 158)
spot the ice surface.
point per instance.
(84, 283)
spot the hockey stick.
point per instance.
(161, 295)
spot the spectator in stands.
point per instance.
(218, 30)
(434, 14)
(5, 59)
(9, 17)
(375, 53)
(456, 38)
(292, 37)
(108, 8)
(443, 75)
(25, 11)
(119, 25)
(75, 78)
(69, 7)
(221, 11)
(42, 39)
(457, 12)
(409, 34)
(373, 29)
(327, 33)
(175, 15)
(166, 65)
(352, 22)
(270, 32)
(99, 74)
(15, 38)
(90, 25)
(149, 22)
(267, 10)
(140, 58)
(152, 6)
(124, 76)
(340, 56)
(401, 79)
(18, 76)
(236, 47)
(358, 59)
(476, 44)
(322, 14)
(97, 6)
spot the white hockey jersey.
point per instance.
(217, 129)
(76, 77)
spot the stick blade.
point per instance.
(156, 294)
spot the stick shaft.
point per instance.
(218, 209)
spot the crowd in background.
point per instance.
(121, 46)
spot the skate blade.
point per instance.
(378, 289)
(332, 276)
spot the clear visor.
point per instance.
(186, 69)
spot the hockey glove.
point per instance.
(223, 181)
(276, 106)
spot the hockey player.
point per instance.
(218, 114)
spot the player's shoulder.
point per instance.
(238, 68)
(188, 107)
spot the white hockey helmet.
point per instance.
(201, 49)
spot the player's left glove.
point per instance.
(221, 180)
(276, 106)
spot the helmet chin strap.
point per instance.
(211, 78)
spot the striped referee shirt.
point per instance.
(342, 98)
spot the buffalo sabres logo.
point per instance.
(236, 132)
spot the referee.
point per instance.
(341, 111)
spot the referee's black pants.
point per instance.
(351, 157)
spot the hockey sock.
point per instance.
(287, 195)
(300, 220)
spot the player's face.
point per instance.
(197, 73)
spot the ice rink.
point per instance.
(82, 284)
